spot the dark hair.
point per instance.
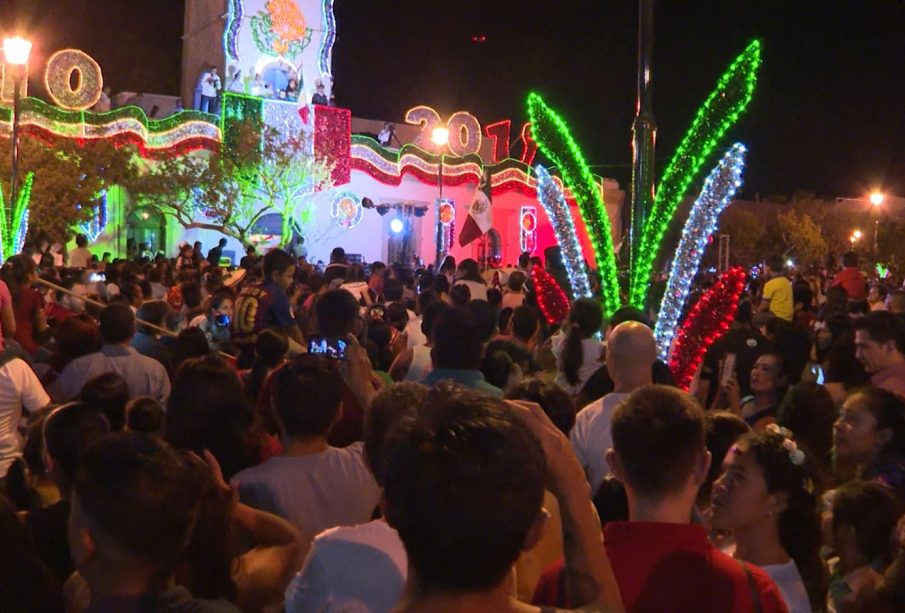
(801, 293)
(107, 393)
(463, 489)
(154, 312)
(658, 433)
(441, 285)
(392, 290)
(496, 367)
(68, 431)
(585, 318)
(270, 349)
(722, 430)
(132, 291)
(776, 263)
(516, 281)
(429, 317)
(456, 339)
(470, 271)
(81, 240)
(799, 523)
(888, 410)
(554, 400)
(219, 297)
(459, 295)
(191, 343)
(147, 415)
(207, 410)
(75, 336)
(19, 268)
(809, 412)
(485, 317)
(883, 326)
(277, 261)
(337, 312)
(448, 263)
(611, 501)
(116, 324)
(629, 313)
(849, 258)
(745, 312)
(191, 294)
(25, 582)
(138, 491)
(315, 379)
(524, 322)
(873, 510)
(338, 255)
(397, 316)
(391, 412)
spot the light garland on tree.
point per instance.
(555, 140)
(718, 113)
(706, 323)
(554, 203)
(719, 188)
(552, 300)
(14, 220)
(95, 226)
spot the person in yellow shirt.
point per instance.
(777, 292)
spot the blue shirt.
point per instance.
(145, 376)
(278, 313)
(472, 379)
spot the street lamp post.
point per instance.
(440, 136)
(16, 51)
(876, 199)
(644, 130)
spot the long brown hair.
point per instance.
(585, 319)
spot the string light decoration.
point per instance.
(555, 140)
(706, 323)
(58, 80)
(499, 132)
(235, 14)
(325, 56)
(719, 188)
(346, 210)
(554, 204)
(529, 146)
(14, 220)
(528, 229)
(719, 112)
(95, 226)
(552, 300)
(333, 141)
(280, 29)
(462, 124)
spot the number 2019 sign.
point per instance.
(466, 135)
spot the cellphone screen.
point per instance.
(728, 368)
(330, 346)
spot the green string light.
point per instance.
(718, 113)
(554, 138)
(14, 219)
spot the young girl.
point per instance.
(578, 354)
(767, 498)
(28, 303)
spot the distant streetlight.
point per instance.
(857, 234)
(440, 137)
(877, 198)
(16, 51)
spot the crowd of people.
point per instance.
(177, 436)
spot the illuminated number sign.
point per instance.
(73, 80)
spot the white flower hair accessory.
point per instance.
(796, 455)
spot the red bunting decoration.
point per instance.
(552, 300)
(706, 323)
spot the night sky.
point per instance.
(828, 115)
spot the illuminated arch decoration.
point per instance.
(95, 226)
(14, 220)
(346, 210)
(57, 79)
(174, 135)
(527, 239)
(325, 56)
(719, 188)
(235, 15)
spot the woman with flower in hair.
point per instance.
(766, 497)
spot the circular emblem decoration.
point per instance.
(347, 210)
(447, 213)
(529, 222)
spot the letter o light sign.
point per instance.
(73, 79)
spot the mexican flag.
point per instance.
(480, 214)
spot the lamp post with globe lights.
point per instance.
(16, 51)
(439, 137)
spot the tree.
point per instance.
(745, 232)
(801, 236)
(256, 171)
(68, 178)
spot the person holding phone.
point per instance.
(216, 322)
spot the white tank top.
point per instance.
(421, 363)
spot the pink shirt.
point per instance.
(5, 299)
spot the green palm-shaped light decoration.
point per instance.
(14, 220)
(554, 138)
(718, 113)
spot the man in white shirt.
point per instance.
(630, 353)
(19, 389)
(210, 85)
(80, 257)
(312, 485)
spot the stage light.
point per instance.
(396, 225)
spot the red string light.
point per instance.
(552, 300)
(706, 323)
